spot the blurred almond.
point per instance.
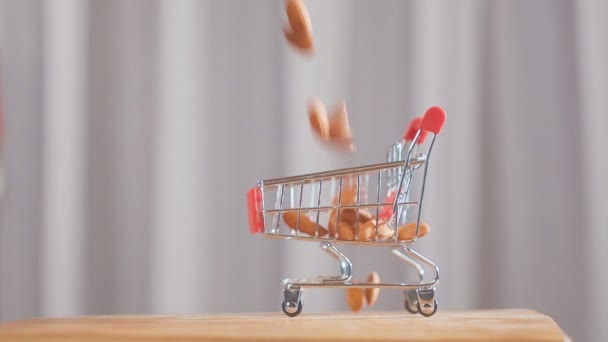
(339, 128)
(384, 230)
(303, 42)
(339, 125)
(355, 297)
(350, 216)
(317, 115)
(348, 195)
(346, 232)
(307, 225)
(371, 294)
(299, 30)
(333, 223)
(366, 231)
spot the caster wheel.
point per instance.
(292, 309)
(427, 310)
(411, 307)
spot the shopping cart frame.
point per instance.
(420, 295)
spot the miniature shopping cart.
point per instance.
(337, 207)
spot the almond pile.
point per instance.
(342, 223)
(333, 129)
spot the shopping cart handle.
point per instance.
(433, 120)
(414, 127)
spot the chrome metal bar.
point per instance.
(407, 161)
(337, 230)
(416, 256)
(346, 271)
(316, 283)
(280, 196)
(313, 177)
(300, 206)
(335, 240)
(357, 210)
(378, 186)
(411, 262)
(354, 206)
(318, 211)
(346, 267)
(426, 167)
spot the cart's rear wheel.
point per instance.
(427, 310)
(411, 307)
(292, 309)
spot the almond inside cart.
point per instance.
(372, 205)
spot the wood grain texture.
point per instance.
(495, 325)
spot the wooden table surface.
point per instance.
(494, 325)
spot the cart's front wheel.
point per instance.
(427, 309)
(292, 309)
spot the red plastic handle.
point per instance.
(410, 134)
(433, 120)
(412, 129)
(387, 211)
(254, 210)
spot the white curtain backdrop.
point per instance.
(134, 129)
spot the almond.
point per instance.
(348, 195)
(303, 42)
(371, 294)
(384, 231)
(367, 231)
(355, 297)
(317, 115)
(332, 222)
(350, 216)
(299, 30)
(307, 225)
(346, 232)
(408, 231)
(297, 15)
(339, 127)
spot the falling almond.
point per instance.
(371, 294)
(355, 298)
(333, 130)
(339, 127)
(303, 42)
(299, 30)
(317, 115)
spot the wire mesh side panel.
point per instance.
(350, 207)
(398, 152)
